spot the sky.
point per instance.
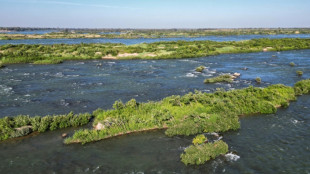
(155, 13)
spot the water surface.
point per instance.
(83, 86)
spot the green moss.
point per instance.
(222, 78)
(199, 154)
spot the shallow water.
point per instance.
(147, 40)
(85, 86)
(276, 143)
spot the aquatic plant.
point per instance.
(299, 73)
(222, 78)
(258, 80)
(292, 64)
(199, 154)
(200, 68)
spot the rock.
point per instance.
(245, 68)
(99, 126)
(236, 74)
(64, 135)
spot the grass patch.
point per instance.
(222, 78)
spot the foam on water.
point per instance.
(232, 157)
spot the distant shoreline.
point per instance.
(57, 53)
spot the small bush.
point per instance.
(199, 154)
(222, 78)
(292, 64)
(199, 139)
(299, 73)
(200, 68)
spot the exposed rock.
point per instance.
(236, 74)
(64, 135)
(99, 126)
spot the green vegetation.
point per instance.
(302, 87)
(222, 78)
(57, 53)
(190, 114)
(145, 33)
(200, 68)
(292, 64)
(11, 127)
(1, 64)
(258, 80)
(299, 73)
(199, 154)
(199, 139)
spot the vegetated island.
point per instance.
(49, 54)
(191, 114)
(71, 33)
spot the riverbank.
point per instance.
(147, 33)
(51, 54)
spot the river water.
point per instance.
(149, 40)
(276, 143)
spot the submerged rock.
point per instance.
(64, 135)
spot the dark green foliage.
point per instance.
(190, 114)
(222, 78)
(23, 125)
(199, 154)
(302, 87)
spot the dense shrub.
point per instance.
(199, 154)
